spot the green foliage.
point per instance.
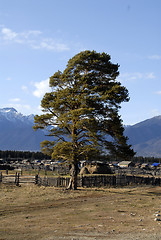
(81, 110)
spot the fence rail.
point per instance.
(16, 179)
(100, 181)
(83, 181)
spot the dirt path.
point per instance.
(31, 212)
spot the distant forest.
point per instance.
(22, 155)
(146, 159)
(39, 155)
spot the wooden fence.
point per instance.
(100, 181)
(83, 181)
(16, 179)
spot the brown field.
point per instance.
(32, 212)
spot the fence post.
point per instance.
(1, 177)
(58, 181)
(81, 180)
(45, 181)
(17, 179)
(36, 179)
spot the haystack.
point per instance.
(84, 170)
(96, 169)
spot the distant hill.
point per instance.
(16, 133)
(145, 137)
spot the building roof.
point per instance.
(155, 164)
(124, 163)
(144, 164)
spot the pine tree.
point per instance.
(81, 111)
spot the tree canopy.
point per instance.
(81, 111)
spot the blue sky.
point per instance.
(38, 37)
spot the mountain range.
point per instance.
(145, 137)
(16, 133)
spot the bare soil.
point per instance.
(32, 212)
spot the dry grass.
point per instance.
(32, 212)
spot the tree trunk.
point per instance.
(73, 177)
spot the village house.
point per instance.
(126, 164)
(155, 164)
(145, 166)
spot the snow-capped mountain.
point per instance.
(12, 115)
(16, 131)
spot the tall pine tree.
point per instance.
(81, 111)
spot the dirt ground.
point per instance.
(32, 212)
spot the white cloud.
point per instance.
(8, 79)
(154, 112)
(41, 88)
(14, 100)
(8, 34)
(158, 92)
(20, 107)
(150, 75)
(50, 44)
(28, 34)
(33, 39)
(24, 88)
(155, 57)
(136, 76)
